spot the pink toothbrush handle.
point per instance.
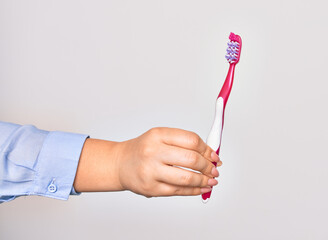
(214, 138)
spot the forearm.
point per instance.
(98, 167)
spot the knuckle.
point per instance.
(176, 191)
(186, 179)
(208, 168)
(204, 167)
(194, 140)
(154, 131)
(208, 151)
(192, 158)
(204, 181)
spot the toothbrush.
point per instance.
(215, 135)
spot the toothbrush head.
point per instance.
(234, 48)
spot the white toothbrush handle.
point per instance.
(215, 135)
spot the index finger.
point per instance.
(186, 139)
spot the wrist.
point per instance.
(98, 169)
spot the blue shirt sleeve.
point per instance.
(37, 162)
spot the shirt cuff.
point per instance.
(57, 164)
(73, 192)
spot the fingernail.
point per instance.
(215, 157)
(219, 163)
(205, 190)
(212, 182)
(215, 172)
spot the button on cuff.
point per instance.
(57, 164)
(52, 188)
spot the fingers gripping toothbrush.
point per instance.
(215, 135)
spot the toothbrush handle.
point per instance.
(215, 135)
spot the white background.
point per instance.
(114, 69)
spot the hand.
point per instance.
(150, 164)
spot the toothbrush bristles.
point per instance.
(233, 50)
